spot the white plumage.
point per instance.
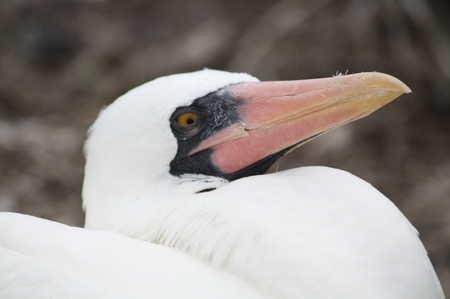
(311, 232)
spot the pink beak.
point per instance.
(284, 115)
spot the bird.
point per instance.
(178, 202)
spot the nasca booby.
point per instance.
(178, 163)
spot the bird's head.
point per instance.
(188, 133)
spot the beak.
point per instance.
(276, 117)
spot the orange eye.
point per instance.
(187, 119)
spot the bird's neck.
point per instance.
(211, 227)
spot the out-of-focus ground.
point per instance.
(62, 61)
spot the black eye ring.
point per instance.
(186, 122)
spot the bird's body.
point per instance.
(45, 259)
(311, 232)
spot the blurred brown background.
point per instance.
(62, 61)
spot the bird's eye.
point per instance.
(187, 119)
(187, 122)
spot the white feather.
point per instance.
(45, 259)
